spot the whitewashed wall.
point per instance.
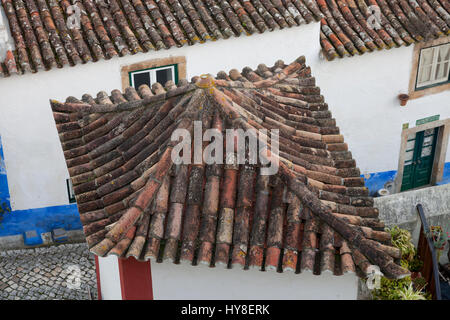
(362, 95)
(34, 159)
(172, 281)
(361, 91)
(179, 282)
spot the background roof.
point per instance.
(46, 33)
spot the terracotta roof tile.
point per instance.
(349, 27)
(314, 214)
(45, 36)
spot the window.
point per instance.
(434, 66)
(151, 71)
(70, 192)
(152, 75)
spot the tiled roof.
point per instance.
(109, 28)
(117, 28)
(314, 214)
(352, 27)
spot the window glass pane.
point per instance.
(439, 71)
(428, 141)
(410, 144)
(409, 155)
(425, 67)
(444, 53)
(429, 132)
(141, 78)
(426, 151)
(426, 56)
(442, 72)
(425, 74)
(164, 75)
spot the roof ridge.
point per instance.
(196, 82)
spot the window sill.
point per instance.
(414, 94)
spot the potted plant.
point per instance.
(408, 293)
(415, 266)
(403, 97)
(439, 239)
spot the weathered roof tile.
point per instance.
(47, 35)
(134, 201)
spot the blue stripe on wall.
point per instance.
(4, 190)
(376, 181)
(41, 219)
(446, 177)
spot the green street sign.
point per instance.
(426, 120)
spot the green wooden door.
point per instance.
(419, 159)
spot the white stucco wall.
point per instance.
(362, 92)
(34, 159)
(172, 281)
(179, 282)
(109, 278)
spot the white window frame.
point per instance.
(152, 73)
(70, 191)
(434, 63)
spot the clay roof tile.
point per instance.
(135, 201)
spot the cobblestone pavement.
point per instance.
(63, 272)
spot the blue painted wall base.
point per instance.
(32, 238)
(376, 181)
(41, 219)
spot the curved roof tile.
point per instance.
(110, 28)
(313, 214)
(47, 34)
(369, 25)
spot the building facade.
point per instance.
(50, 55)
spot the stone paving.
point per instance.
(63, 272)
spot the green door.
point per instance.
(419, 159)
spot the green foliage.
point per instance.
(415, 265)
(419, 283)
(404, 264)
(408, 293)
(402, 289)
(401, 239)
(390, 289)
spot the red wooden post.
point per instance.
(97, 272)
(135, 279)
